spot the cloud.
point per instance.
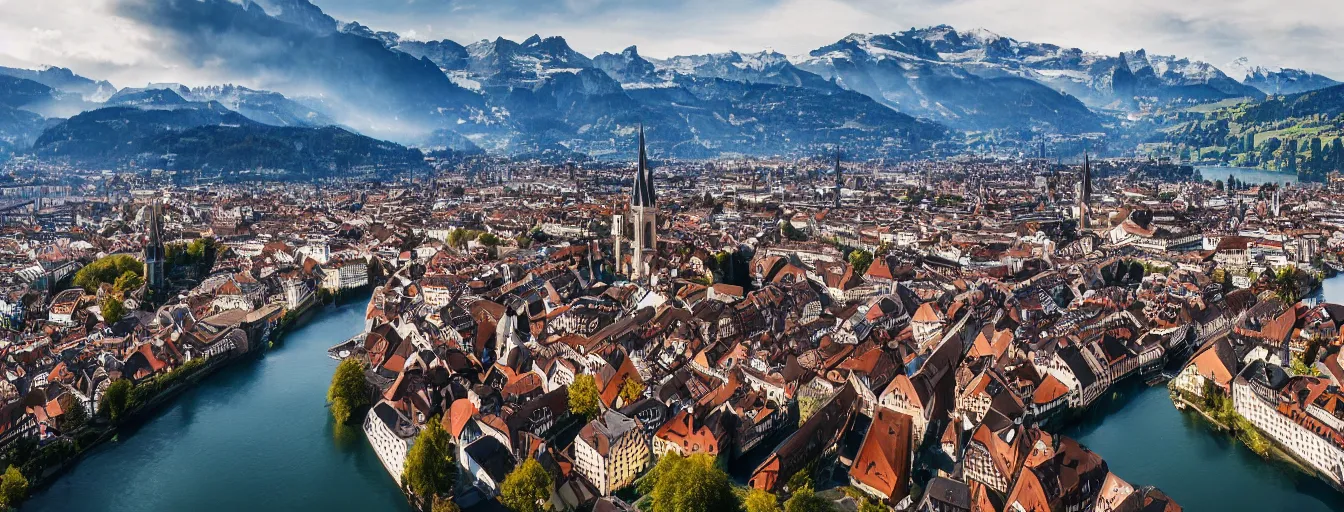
(103, 39)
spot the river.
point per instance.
(1147, 441)
(255, 436)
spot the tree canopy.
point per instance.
(430, 469)
(688, 484)
(527, 488)
(758, 500)
(805, 499)
(13, 488)
(112, 309)
(348, 390)
(128, 282)
(106, 270)
(861, 260)
(115, 399)
(583, 396)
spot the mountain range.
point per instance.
(878, 95)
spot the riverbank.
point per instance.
(1147, 441)
(249, 430)
(1245, 433)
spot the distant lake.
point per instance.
(1247, 174)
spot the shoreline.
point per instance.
(146, 412)
(1276, 454)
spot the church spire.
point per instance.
(642, 194)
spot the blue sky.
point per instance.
(89, 37)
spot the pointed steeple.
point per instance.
(1087, 178)
(642, 194)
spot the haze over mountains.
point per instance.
(887, 95)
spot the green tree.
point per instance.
(583, 396)
(106, 270)
(488, 239)
(348, 390)
(430, 469)
(116, 398)
(631, 390)
(1285, 285)
(527, 488)
(760, 501)
(13, 488)
(861, 260)
(694, 483)
(805, 499)
(112, 309)
(128, 282)
(75, 416)
(457, 238)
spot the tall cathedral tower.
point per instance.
(644, 217)
(154, 252)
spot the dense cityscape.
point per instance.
(291, 261)
(818, 333)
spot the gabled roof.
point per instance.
(883, 462)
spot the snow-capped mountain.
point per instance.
(767, 67)
(1130, 81)
(875, 94)
(65, 81)
(1272, 80)
(907, 73)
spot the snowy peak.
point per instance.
(1274, 80)
(65, 80)
(505, 63)
(149, 97)
(627, 67)
(555, 52)
(297, 12)
(389, 39)
(447, 54)
(765, 67)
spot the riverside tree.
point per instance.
(527, 488)
(583, 396)
(13, 488)
(348, 391)
(115, 400)
(430, 469)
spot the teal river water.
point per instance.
(254, 437)
(257, 437)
